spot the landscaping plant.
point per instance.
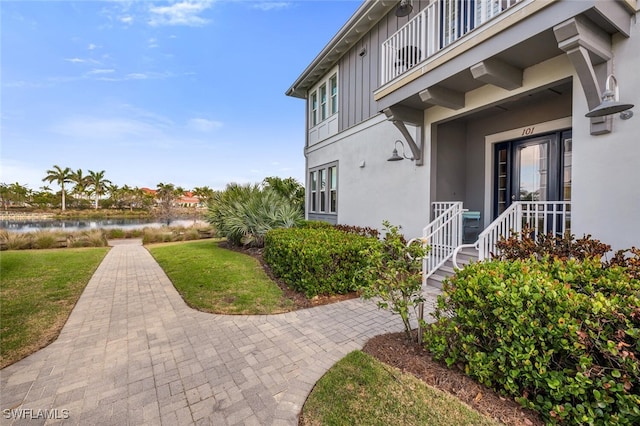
(559, 333)
(318, 259)
(245, 213)
(395, 274)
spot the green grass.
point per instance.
(359, 390)
(221, 281)
(38, 290)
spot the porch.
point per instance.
(445, 233)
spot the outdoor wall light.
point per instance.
(610, 102)
(395, 156)
(404, 8)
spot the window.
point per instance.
(314, 109)
(323, 99)
(323, 189)
(333, 189)
(323, 102)
(333, 90)
(313, 199)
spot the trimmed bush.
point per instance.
(561, 337)
(320, 260)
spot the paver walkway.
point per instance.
(132, 352)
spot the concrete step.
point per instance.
(465, 256)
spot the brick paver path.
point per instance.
(133, 353)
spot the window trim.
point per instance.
(323, 111)
(320, 197)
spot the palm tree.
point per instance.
(167, 194)
(98, 184)
(79, 182)
(289, 188)
(59, 176)
(204, 193)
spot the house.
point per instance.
(485, 101)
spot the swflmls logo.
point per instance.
(31, 414)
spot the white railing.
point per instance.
(540, 216)
(443, 235)
(434, 28)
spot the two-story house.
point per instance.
(486, 103)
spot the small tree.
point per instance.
(396, 274)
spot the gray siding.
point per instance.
(360, 75)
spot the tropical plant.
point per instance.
(97, 184)
(204, 194)
(166, 196)
(244, 213)
(289, 188)
(61, 177)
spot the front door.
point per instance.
(532, 169)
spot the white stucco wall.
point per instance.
(606, 168)
(381, 190)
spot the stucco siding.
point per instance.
(378, 189)
(606, 179)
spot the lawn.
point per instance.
(360, 390)
(213, 279)
(38, 290)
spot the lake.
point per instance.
(25, 225)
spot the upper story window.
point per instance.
(323, 102)
(323, 99)
(314, 109)
(333, 89)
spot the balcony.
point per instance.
(433, 29)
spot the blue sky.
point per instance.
(182, 92)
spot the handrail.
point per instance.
(443, 234)
(540, 216)
(437, 26)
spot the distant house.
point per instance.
(186, 200)
(485, 100)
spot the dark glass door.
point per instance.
(532, 169)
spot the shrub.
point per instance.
(359, 230)
(526, 244)
(395, 273)
(314, 224)
(318, 260)
(244, 214)
(15, 240)
(561, 337)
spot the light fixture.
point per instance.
(395, 156)
(404, 8)
(610, 102)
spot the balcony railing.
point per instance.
(434, 28)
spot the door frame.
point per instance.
(491, 140)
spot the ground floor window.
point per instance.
(323, 189)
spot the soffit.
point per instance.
(365, 18)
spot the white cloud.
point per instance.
(101, 71)
(92, 46)
(152, 43)
(203, 125)
(271, 5)
(81, 61)
(183, 13)
(126, 19)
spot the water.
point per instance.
(69, 225)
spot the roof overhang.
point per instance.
(367, 15)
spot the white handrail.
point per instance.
(432, 29)
(540, 216)
(443, 235)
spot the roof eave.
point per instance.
(363, 19)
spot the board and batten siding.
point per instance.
(360, 75)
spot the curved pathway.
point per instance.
(132, 352)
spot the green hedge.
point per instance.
(561, 337)
(317, 260)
